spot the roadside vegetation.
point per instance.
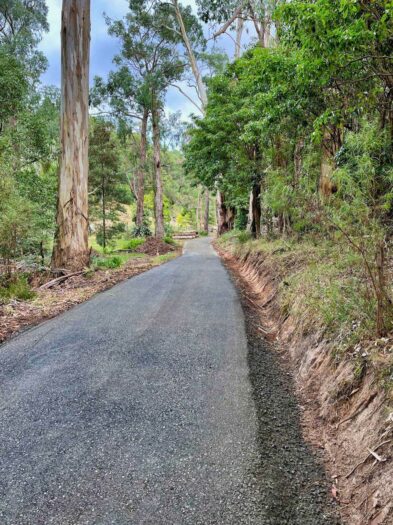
(297, 136)
(296, 141)
(323, 288)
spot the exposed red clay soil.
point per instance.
(17, 315)
(153, 246)
(347, 417)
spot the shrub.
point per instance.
(168, 239)
(243, 237)
(109, 262)
(141, 231)
(17, 288)
(17, 227)
(132, 244)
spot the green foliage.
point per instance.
(108, 187)
(21, 26)
(243, 237)
(17, 287)
(18, 227)
(13, 86)
(141, 231)
(109, 262)
(169, 239)
(132, 244)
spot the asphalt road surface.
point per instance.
(140, 407)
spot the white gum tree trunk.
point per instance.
(158, 198)
(71, 244)
(141, 170)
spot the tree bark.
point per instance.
(103, 216)
(158, 198)
(198, 210)
(225, 215)
(239, 33)
(206, 214)
(331, 144)
(191, 57)
(254, 211)
(71, 243)
(298, 161)
(141, 170)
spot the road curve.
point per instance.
(136, 407)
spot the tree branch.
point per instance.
(229, 22)
(187, 96)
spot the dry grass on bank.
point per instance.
(323, 286)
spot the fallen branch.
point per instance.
(59, 280)
(362, 406)
(376, 456)
(370, 453)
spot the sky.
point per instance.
(103, 48)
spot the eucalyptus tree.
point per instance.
(22, 23)
(124, 95)
(71, 248)
(149, 53)
(236, 13)
(182, 22)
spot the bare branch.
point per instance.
(229, 22)
(187, 96)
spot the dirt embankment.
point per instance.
(344, 413)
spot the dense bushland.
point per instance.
(298, 136)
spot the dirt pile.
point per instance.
(153, 246)
(344, 414)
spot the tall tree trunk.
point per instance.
(201, 88)
(71, 244)
(141, 170)
(332, 142)
(239, 33)
(198, 210)
(103, 216)
(254, 211)
(206, 214)
(158, 198)
(225, 215)
(298, 161)
(191, 57)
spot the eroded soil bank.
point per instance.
(344, 416)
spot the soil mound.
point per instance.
(153, 246)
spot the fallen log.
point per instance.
(59, 280)
(185, 235)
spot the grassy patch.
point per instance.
(322, 285)
(108, 262)
(130, 244)
(17, 288)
